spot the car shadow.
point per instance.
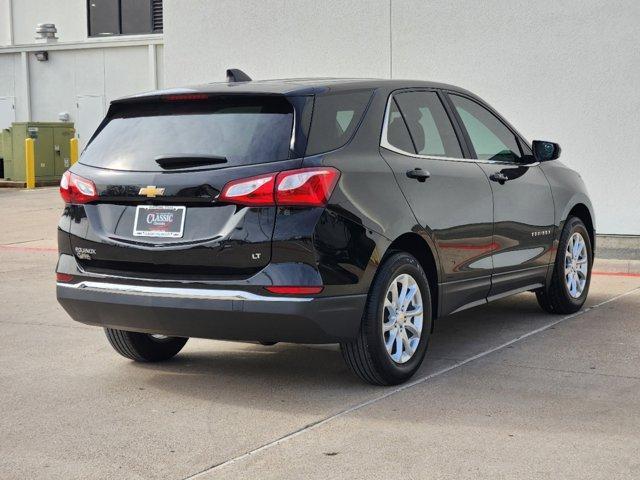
(305, 377)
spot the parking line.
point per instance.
(388, 393)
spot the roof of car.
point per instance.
(295, 86)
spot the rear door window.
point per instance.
(336, 117)
(397, 132)
(429, 125)
(237, 130)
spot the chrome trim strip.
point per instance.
(292, 142)
(384, 143)
(174, 292)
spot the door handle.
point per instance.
(498, 177)
(418, 174)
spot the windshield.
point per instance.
(234, 130)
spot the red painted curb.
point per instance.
(617, 274)
(28, 249)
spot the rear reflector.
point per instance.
(305, 187)
(76, 189)
(290, 290)
(64, 277)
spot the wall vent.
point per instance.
(156, 16)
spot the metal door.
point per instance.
(7, 112)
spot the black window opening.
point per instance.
(158, 135)
(336, 117)
(431, 131)
(123, 17)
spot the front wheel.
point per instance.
(144, 347)
(396, 324)
(571, 276)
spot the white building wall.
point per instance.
(70, 17)
(78, 66)
(5, 22)
(560, 71)
(275, 38)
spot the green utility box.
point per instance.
(52, 149)
(5, 150)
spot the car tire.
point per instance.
(369, 355)
(144, 347)
(561, 295)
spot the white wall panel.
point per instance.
(52, 85)
(125, 71)
(70, 17)
(557, 70)
(7, 85)
(89, 72)
(275, 39)
(5, 35)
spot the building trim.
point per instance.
(128, 41)
(10, 20)
(24, 64)
(153, 67)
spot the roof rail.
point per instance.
(237, 75)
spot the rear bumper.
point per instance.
(213, 313)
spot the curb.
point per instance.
(611, 265)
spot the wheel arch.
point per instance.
(581, 211)
(418, 246)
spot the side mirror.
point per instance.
(545, 151)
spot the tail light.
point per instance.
(305, 187)
(250, 191)
(76, 189)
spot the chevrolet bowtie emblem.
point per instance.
(151, 191)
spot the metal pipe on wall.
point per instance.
(10, 19)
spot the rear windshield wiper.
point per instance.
(175, 161)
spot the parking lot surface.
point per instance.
(506, 391)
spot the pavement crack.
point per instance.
(561, 370)
(21, 242)
(35, 324)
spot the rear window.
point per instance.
(336, 117)
(234, 130)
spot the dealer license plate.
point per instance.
(159, 221)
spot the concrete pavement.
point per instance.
(562, 402)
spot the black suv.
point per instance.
(314, 211)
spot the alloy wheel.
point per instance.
(576, 265)
(402, 318)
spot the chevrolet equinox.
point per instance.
(314, 211)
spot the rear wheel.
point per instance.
(144, 347)
(396, 324)
(571, 277)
